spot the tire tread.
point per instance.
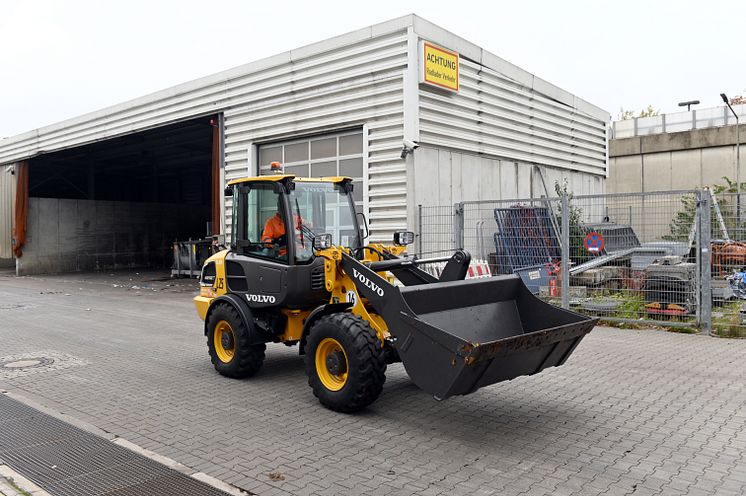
(248, 358)
(370, 375)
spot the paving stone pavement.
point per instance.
(632, 412)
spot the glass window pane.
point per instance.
(297, 152)
(270, 154)
(298, 170)
(352, 167)
(265, 229)
(324, 148)
(324, 208)
(323, 169)
(351, 144)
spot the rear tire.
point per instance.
(228, 344)
(345, 363)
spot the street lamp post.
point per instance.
(689, 104)
(738, 163)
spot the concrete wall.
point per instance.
(84, 235)
(7, 202)
(666, 161)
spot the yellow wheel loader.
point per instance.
(297, 271)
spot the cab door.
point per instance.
(259, 262)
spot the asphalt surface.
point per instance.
(632, 412)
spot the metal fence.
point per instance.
(671, 259)
(676, 121)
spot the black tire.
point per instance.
(365, 362)
(246, 359)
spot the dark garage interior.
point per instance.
(121, 203)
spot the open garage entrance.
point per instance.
(122, 202)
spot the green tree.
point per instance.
(682, 222)
(578, 253)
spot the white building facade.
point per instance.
(347, 105)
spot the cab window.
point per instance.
(264, 224)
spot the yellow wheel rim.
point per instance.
(331, 364)
(224, 341)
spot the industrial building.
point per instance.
(415, 114)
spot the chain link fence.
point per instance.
(672, 259)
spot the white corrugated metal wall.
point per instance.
(7, 201)
(497, 117)
(352, 80)
(367, 78)
(502, 125)
(353, 85)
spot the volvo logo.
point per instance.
(260, 298)
(367, 282)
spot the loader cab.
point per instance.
(277, 217)
(275, 220)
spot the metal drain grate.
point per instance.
(65, 460)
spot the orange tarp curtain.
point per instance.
(217, 190)
(21, 209)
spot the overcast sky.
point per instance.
(62, 59)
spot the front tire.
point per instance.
(345, 363)
(228, 344)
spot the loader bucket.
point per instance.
(456, 337)
(468, 334)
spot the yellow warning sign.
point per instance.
(440, 67)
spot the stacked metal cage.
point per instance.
(525, 237)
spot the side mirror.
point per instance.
(403, 238)
(322, 241)
(363, 225)
(228, 191)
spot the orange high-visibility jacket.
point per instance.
(273, 228)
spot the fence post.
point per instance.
(565, 244)
(419, 230)
(458, 225)
(704, 254)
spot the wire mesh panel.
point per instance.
(728, 246)
(633, 257)
(627, 257)
(435, 236)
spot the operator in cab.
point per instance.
(274, 232)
